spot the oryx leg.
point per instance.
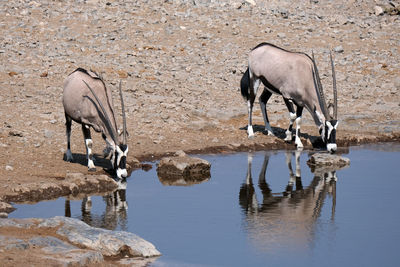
(68, 124)
(292, 117)
(297, 141)
(263, 103)
(88, 144)
(254, 84)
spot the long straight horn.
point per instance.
(334, 88)
(108, 122)
(320, 90)
(123, 114)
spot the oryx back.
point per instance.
(283, 72)
(80, 104)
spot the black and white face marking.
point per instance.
(121, 153)
(330, 135)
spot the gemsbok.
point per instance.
(88, 101)
(294, 76)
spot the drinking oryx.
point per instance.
(294, 76)
(88, 101)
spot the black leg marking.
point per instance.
(68, 123)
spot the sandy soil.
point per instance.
(181, 65)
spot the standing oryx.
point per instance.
(295, 77)
(88, 101)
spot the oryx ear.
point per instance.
(120, 133)
(336, 125)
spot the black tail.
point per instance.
(245, 83)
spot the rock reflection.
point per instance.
(180, 180)
(288, 218)
(115, 212)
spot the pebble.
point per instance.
(9, 168)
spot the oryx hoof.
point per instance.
(251, 137)
(92, 169)
(269, 133)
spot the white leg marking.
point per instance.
(89, 143)
(289, 135)
(250, 131)
(297, 141)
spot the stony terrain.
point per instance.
(180, 63)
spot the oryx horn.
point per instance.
(320, 89)
(334, 88)
(123, 114)
(111, 129)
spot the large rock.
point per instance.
(183, 170)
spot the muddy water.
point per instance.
(258, 209)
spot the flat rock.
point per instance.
(81, 244)
(183, 168)
(327, 161)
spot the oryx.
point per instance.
(88, 101)
(294, 76)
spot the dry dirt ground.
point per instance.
(180, 64)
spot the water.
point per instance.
(349, 218)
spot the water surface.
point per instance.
(258, 209)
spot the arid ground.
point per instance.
(180, 64)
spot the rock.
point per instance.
(81, 244)
(48, 133)
(180, 153)
(183, 167)
(338, 49)
(328, 162)
(9, 168)
(251, 2)
(15, 133)
(378, 10)
(5, 207)
(109, 243)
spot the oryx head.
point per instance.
(330, 124)
(119, 149)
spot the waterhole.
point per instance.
(257, 209)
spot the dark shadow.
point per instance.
(99, 161)
(280, 133)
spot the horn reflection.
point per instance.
(286, 218)
(114, 214)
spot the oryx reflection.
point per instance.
(115, 212)
(286, 218)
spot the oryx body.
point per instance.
(295, 77)
(88, 102)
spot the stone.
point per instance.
(378, 10)
(6, 207)
(327, 161)
(9, 168)
(190, 169)
(109, 243)
(338, 49)
(81, 244)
